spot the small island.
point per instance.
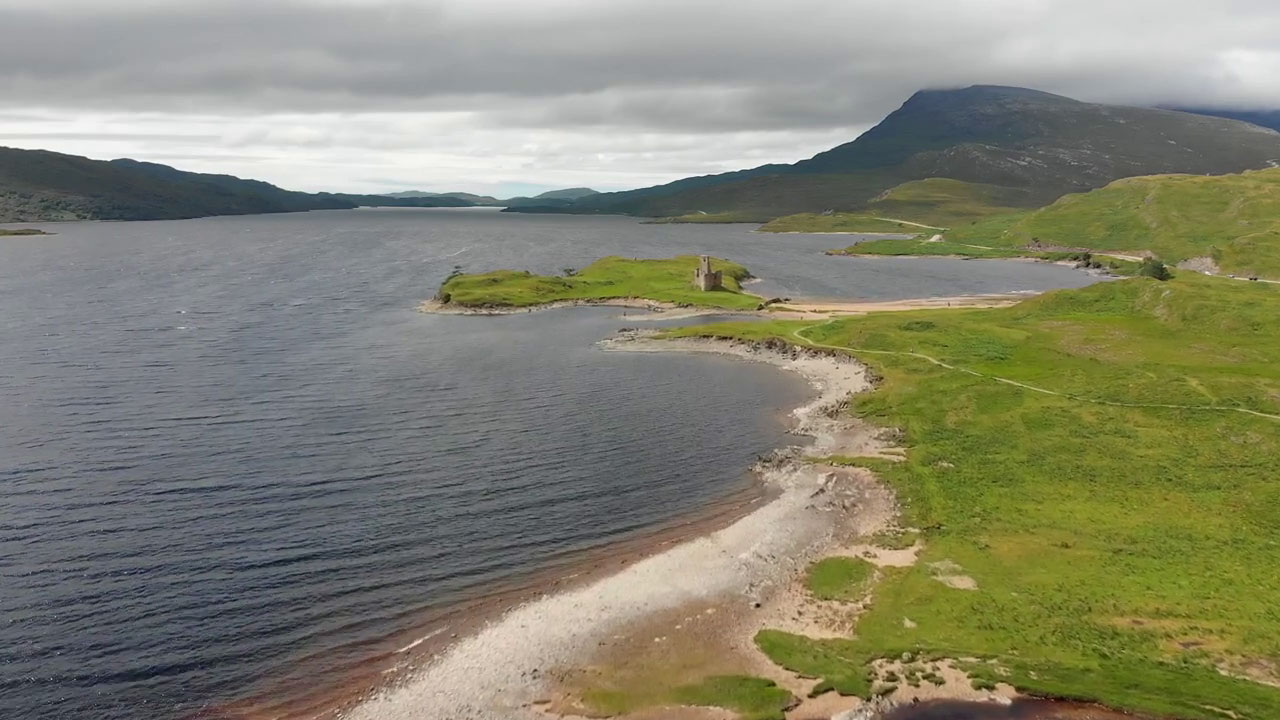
(669, 282)
(16, 232)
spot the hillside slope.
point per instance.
(1233, 220)
(1035, 145)
(1261, 118)
(38, 185)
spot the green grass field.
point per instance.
(665, 280)
(839, 578)
(1124, 548)
(945, 202)
(935, 202)
(1232, 219)
(751, 697)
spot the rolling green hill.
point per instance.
(1031, 146)
(1232, 220)
(935, 202)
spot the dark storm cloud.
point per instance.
(674, 65)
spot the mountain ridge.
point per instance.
(1042, 144)
(44, 186)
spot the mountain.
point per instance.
(1036, 145)
(38, 185)
(1261, 118)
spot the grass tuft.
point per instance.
(839, 578)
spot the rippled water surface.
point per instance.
(231, 442)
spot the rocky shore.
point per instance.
(514, 667)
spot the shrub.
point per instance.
(1153, 268)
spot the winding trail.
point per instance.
(798, 334)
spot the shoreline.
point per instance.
(890, 235)
(786, 308)
(511, 667)
(435, 307)
(387, 661)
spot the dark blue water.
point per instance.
(228, 443)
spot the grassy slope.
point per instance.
(940, 202)
(1120, 553)
(1234, 219)
(711, 218)
(978, 238)
(840, 223)
(666, 280)
(945, 202)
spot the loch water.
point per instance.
(229, 443)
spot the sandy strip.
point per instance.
(931, 303)
(500, 672)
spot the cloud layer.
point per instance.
(388, 94)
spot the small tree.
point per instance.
(1153, 268)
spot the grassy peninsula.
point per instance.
(18, 232)
(1098, 466)
(612, 278)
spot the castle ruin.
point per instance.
(704, 278)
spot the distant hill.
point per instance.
(550, 201)
(1228, 221)
(391, 201)
(469, 197)
(38, 185)
(1261, 118)
(1032, 146)
(566, 194)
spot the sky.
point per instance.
(506, 98)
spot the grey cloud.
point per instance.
(741, 65)
(617, 93)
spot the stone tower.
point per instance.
(704, 278)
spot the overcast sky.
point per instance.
(503, 97)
